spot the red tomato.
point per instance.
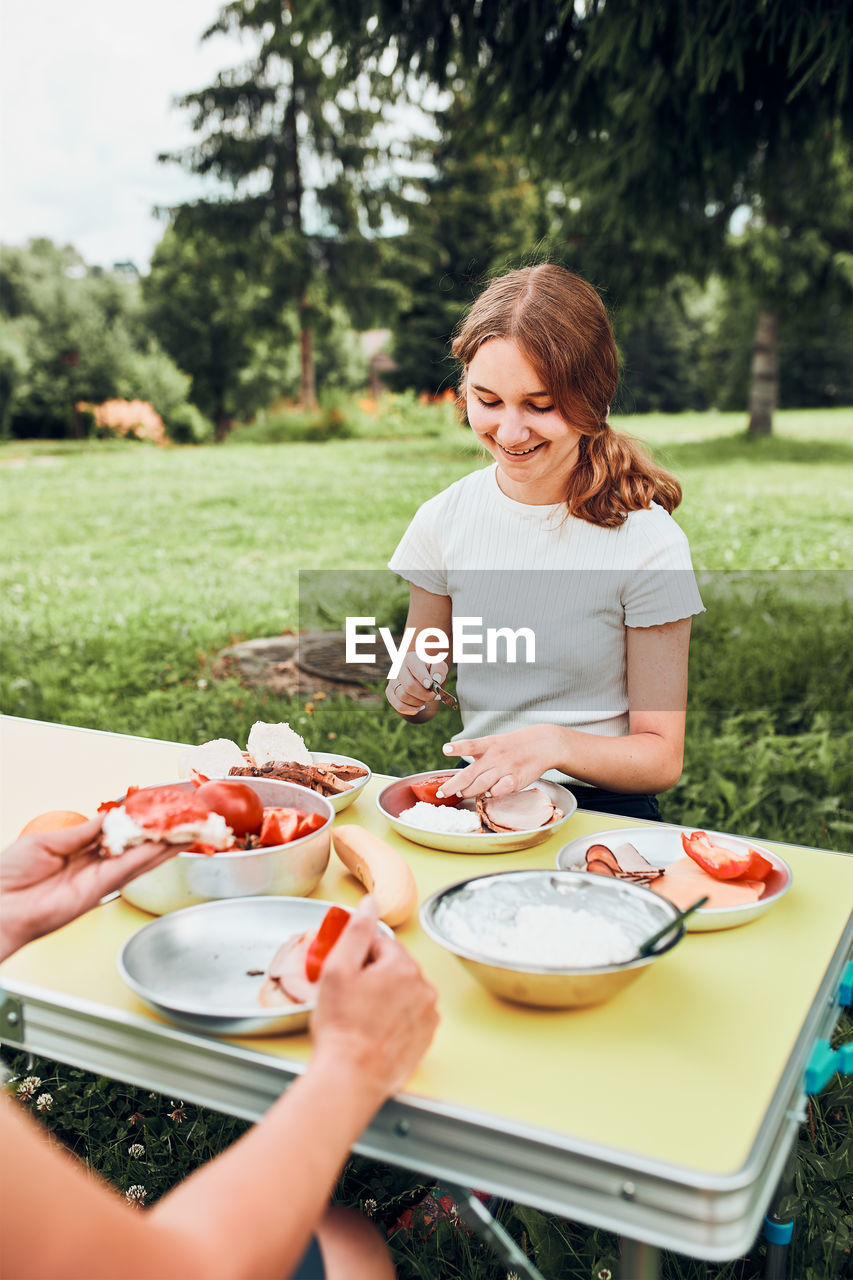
(106, 805)
(720, 862)
(309, 822)
(332, 926)
(161, 808)
(426, 788)
(240, 806)
(759, 867)
(279, 826)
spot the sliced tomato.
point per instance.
(199, 847)
(720, 862)
(279, 826)
(759, 867)
(106, 805)
(333, 924)
(239, 804)
(425, 789)
(309, 822)
(161, 808)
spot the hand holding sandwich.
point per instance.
(48, 879)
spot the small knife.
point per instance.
(442, 694)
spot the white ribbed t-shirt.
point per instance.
(576, 585)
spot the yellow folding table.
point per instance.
(665, 1115)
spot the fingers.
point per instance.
(358, 942)
(467, 747)
(403, 700)
(70, 840)
(412, 689)
(114, 873)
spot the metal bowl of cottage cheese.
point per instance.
(559, 940)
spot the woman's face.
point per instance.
(513, 416)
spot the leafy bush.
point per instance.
(187, 425)
(296, 425)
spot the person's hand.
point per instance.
(412, 692)
(375, 1010)
(48, 879)
(502, 763)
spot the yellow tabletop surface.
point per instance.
(680, 1067)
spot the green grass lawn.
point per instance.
(127, 568)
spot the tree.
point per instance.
(293, 135)
(478, 209)
(202, 301)
(69, 333)
(674, 114)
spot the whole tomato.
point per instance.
(240, 806)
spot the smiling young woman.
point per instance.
(570, 532)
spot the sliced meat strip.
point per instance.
(601, 853)
(287, 973)
(601, 868)
(519, 811)
(625, 863)
(630, 859)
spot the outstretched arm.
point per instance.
(646, 759)
(249, 1213)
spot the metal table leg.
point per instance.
(637, 1260)
(475, 1215)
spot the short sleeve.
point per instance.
(662, 586)
(419, 556)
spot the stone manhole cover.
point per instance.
(324, 655)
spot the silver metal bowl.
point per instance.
(455, 916)
(345, 798)
(294, 869)
(398, 796)
(202, 967)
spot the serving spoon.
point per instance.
(648, 946)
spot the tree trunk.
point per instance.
(307, 380)
(223, 425)
(764, 374)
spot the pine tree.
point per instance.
(675, 114)
(292, 136)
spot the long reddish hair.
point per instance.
(559, 322)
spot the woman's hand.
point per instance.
(412, 693)
(503, 762)
(375, 1010)
(49, 879)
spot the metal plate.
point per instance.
(345, 799)
(192, 966)
(661, 845)
(398, 796)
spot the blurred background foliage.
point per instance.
(375, 163)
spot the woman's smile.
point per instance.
(515, 419)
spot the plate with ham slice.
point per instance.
(655, 857)
(210, 967)
(500, 824)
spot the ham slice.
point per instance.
(519, 811)
(286, 981)
(685, 882)
(624, 862)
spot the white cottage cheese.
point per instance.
(558, 937)
(441, 817)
